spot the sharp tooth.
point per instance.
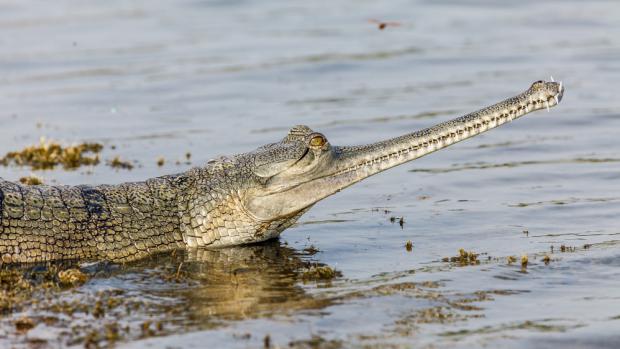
(552, 79)
(557, 101)
(560, 86)
(547, 105)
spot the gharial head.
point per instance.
(304, 167)
(284, 179)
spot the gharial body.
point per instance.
(235, 200)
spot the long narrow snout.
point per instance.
(366, 160)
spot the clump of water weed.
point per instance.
(511, 259)
(24, 324)
(71, 277)
(320, 273)
(49, 154)
(524, 261)
(31, 180)
(150, 329)
(564, 248)
(464, 258)
(409, 246)
(116, 162)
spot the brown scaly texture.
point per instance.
(123, 222)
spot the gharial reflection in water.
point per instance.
(195, 289)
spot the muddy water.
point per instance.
(152, 79)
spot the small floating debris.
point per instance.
(511, 259)
(381, 25)
(526, 232)
(179, 276)
(161, 161)
(546, 259)
(409, 246)
(188, 156)
(400, 220)
(116, 162)
(49, 154)
(31, 180)
(311, 250)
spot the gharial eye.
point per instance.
(317, 141)
(538, 84)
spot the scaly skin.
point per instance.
(247, 198)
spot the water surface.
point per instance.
(159, 79)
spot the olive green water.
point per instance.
(155, 79)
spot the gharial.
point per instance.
(234, 200)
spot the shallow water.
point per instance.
(156, 79)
